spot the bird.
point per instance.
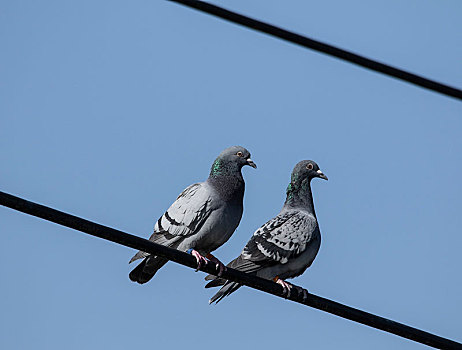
(285, 246)
(202, 218)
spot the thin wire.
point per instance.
(322, 47)
(264, 285)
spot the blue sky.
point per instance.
(110, 109)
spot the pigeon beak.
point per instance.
(251, 163)
(321, 175)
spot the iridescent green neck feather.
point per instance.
(299, 194)
(217, 168)
(290, 191)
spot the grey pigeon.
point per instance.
(286, 245)
(202, 218)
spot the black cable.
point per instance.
(322, 47)
(264, 285)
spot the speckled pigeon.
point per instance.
(286, 245)
(203, 217)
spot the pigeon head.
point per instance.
(231, 160)
(306, 169)
(299, 191)
(302, 174)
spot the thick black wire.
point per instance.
(264, 285)
(322, 47)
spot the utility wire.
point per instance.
(264, 285)
(322, 47)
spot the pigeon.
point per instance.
(202, 218)
(286, 245)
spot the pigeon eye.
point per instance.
(309, 166)
(240, 154)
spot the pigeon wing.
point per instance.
(277, 241)
(184, 218)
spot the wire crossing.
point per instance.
(322, 47)
(267, 286)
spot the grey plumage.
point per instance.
(203, 217)
(285, 246)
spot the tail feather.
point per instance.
(216, 282)
(226, 290)
(210, 277)
(147, 269)
(139, 255)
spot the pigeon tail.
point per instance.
(226, 290)
(215, 281)
(147, 269)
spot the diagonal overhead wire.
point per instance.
(322, 47)
(264, 285)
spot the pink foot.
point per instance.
(287, 287)
(219, 265)
(201, 261)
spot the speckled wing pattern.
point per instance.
(185, 217)
(278, 242)
(280, 239)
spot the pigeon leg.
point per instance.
(220, 266)
(286, 286)
(199, 258)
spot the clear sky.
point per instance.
(109, 109)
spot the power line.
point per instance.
(322, 47)
(264, 285)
